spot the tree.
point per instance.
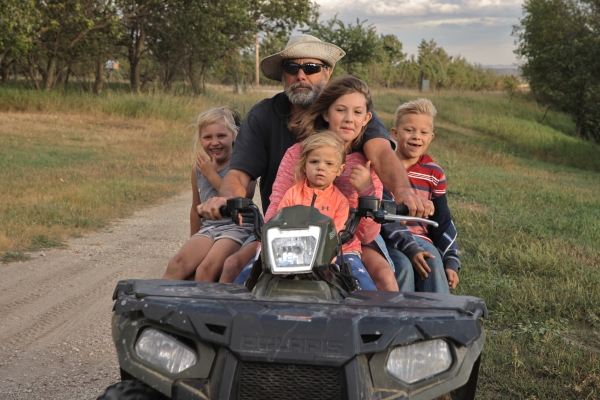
(361, 43)
(434, 62)
(196, 36)
(52, 33)
(18, 21)
(560, 42)
(278, 18)
(137, 17)
(392, 57)
(510, 85)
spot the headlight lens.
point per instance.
(420, 360)
(293, 250)
(164, 351)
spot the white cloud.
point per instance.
(414, 7)
(492, 3)
(479, 30)
(455, 21)
(389, 7)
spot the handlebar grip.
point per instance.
(224, 212)
(392, 208)
(401, 209)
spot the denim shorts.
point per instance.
(228, 231)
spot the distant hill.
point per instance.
(504, 69)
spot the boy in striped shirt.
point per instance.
(413, 131)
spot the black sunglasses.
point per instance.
(308, 68)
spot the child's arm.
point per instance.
(453, 280)
(284, 179)
(367, 228)
(341, 212)
(195, 221)
(444, 239)
(208, 168)
(360, 178)
(419, 263)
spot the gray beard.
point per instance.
(304, 98)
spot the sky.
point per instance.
(478, 30)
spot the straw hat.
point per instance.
(301, 46)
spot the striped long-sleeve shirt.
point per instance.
(429, 181)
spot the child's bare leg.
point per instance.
(236, 262)
(379, 269)
(191, 254)
(210, 268)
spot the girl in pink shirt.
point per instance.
(345, 108)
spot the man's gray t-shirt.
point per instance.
(264, 138)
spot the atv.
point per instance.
(297, 329)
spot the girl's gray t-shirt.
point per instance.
(207, 191)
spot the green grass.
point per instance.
(515, 127)
(529, 232)
(524, 195)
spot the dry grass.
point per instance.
(73, 172)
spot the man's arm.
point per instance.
(234, 184)
(394, 177)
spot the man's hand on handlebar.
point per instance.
(210, 208)
(417, 206)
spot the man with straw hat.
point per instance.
(304, 67)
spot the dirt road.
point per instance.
(55, 340)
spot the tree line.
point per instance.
(164, 42)
(560, 43)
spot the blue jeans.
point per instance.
(382, 247)
(408, 281)
(358, 270)
(241, 278)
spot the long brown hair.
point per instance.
(311, 120)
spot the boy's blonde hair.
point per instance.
(221, 115)
(316, 141)
(418, 107)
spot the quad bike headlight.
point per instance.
(419, 360)
(293, 250)
(164, 351)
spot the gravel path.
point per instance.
(55, 310)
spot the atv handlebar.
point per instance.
(238, 204)
(386, 210)
(379, 211)
(368, 207)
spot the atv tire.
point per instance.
(131, 390)
(467, 391)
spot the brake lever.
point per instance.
(404, 218)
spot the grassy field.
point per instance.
(71, 162)
(525, 198)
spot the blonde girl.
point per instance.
(211, 242)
